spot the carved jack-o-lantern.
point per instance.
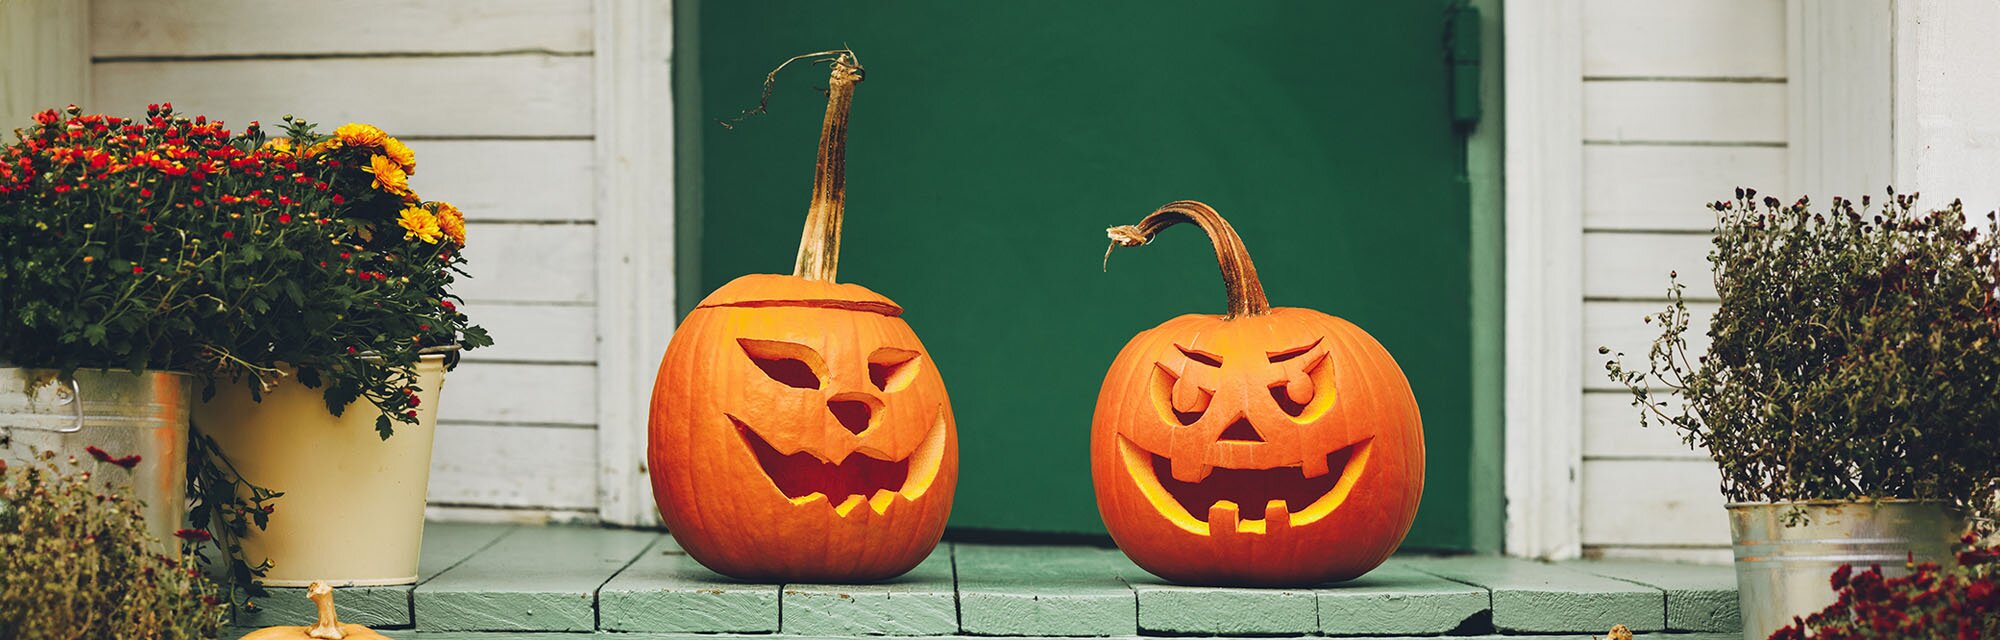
(799, 431)
(1262, 447)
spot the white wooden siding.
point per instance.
(1682, 102)
(44, 59)
(498, 99)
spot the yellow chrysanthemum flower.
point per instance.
(324, 146)
(420, 224)
(451, 221)
(359, 135)
(389, 176)
(280, 146)
(401, 153)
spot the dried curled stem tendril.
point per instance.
(771, 80)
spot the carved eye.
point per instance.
(1203, 357)
(1306, 389)
(1178, 400)
(794, 365)
(892, 369)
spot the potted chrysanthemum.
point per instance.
(1850, 392)
(103, 311)
(298, 271)
(355, 330)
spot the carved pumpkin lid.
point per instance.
(774, 290)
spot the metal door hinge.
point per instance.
(1462, 44)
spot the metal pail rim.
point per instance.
(1833, 503)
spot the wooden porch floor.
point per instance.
(499, 581)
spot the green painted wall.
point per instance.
(990, 146)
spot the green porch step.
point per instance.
(445, 545)
(497, 581)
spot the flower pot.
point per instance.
(121, 414)
(1784, 571)
(352, 513)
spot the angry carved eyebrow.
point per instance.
(1203, 357)
(1294, 352)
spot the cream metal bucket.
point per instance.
(352, 513)
(119, 412)
(1785, 571)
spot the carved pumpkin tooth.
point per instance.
(1189, 398)
(1187, 469)
(1222, 516)
(881, 500)
(853, 500)
(1298, 386)
(809, 498)
(1277, 516)
(1313, 466)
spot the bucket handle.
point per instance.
(73, 396)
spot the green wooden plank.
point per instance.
(1045, 590)
(920, 603)
(1699, 597)
(1395, 598)
(532, 579)
(366, 606)
(445, 545)
(1224, 611)
(1536, 597)
(667, 591)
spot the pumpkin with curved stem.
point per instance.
(799, 430)
(328, 627)
(1264, 447)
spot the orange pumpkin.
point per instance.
(1263, 447)
(800, 431)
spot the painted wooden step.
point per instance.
(485, 581)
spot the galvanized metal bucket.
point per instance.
(1784, 571)
(120, 413)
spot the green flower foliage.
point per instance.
(75, 562)
(1855, 355)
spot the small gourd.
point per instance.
(328, 627)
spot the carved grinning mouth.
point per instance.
(868, 476)
(1282, 494)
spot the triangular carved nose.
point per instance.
(1241, 431)
(854, 415)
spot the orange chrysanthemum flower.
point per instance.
(451, 221)
(401, 153)
(420, 224)
(329, 144)
(355, 134)
(280, 146)
(389, 176)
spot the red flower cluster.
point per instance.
(122, 462)
(1961, 603)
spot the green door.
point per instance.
(992, 144)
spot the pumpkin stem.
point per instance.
(819, 246)
(1239, 275)
(328, 626)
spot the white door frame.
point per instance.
(1543, 457)
(635, 242)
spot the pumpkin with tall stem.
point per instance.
(799, 430)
